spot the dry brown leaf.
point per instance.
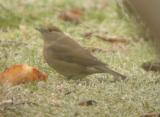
(118, 43)
(21, 73)
(113, 49)
(88, 34)
(88, 103)
(72, 15)
(113, 39)
(94, 49)
(96, 32)
(103, 35)
(151, 66)
(151, 115)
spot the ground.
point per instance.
(57, 97)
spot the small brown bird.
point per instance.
(68, 57)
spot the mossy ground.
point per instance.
(58, 97)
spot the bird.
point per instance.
(68, 57)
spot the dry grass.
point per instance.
(21, 43)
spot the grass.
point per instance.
(21, 43)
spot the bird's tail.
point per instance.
(110, 71)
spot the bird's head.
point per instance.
(50, 32)
(48, 29)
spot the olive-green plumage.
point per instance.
(68, 57)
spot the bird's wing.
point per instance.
(72, 52)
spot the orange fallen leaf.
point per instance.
(21, 73)
(72, 15)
